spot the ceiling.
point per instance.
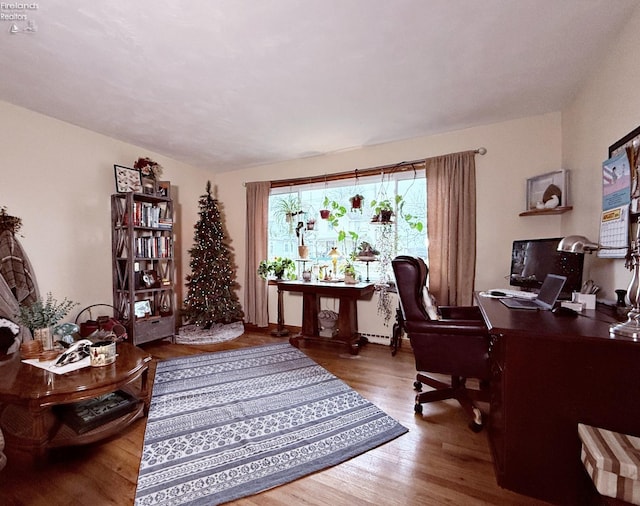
(226, 84)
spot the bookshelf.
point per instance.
(143, 262)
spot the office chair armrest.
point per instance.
(460, 313)
(441, 327)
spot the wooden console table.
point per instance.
(29, 393)
(550, 373)
(347, 294)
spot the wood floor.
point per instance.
(439, 461)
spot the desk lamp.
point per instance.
(580, 244)
(334, 254)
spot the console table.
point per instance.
(347, 294)
(29, 393)
(548, 374)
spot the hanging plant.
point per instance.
(356, 202)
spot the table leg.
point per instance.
(280, 331)
(348, 324)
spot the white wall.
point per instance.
(58, 178)
(605, 110)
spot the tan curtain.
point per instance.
(256, 289)
(451, 227)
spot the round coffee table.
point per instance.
(29, 394)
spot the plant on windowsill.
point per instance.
(280, 267)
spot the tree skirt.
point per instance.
(230, 424)
(218, 333)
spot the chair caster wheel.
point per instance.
(417, 386)
(476, 424)
(417, 408)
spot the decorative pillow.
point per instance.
(8, 332)
(430, 304)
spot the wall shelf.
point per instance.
(543, 212)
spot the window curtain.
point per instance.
(451, 225)
(256, 289)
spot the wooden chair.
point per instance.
(452, 341)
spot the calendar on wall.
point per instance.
(620, 195)
(616, 197)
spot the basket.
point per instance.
(103, 324)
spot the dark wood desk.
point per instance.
(549, 373)
(347, 294)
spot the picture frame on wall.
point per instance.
(630, 144)
(548, 191)
(127, 179)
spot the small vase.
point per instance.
(303, 251)
(45, 336)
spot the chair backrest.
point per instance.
(411, 278)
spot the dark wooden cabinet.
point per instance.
(549, 373)
(143, 264)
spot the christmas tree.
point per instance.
(211, 296)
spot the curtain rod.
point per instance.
(372, 171)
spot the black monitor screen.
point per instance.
(533, 259)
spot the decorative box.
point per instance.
(612, 461)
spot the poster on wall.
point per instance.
(616, 197)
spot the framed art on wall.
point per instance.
(127, 179)
(630, 144)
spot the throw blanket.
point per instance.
(230, 424)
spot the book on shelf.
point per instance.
(87, 415)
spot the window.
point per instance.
(294, 216)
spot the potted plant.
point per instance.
(41, 316)
(349, 273)
(286, 208)
(383, 210)
(280, 267)
(356, 201)
(366, 250)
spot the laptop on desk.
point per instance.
(546, 299)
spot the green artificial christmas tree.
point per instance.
(211, 296)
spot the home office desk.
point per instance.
(347, 294)
(549, 373)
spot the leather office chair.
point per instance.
(456, 345)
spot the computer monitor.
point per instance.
(533, 259)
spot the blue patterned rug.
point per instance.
(231, 424)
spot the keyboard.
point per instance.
(516, 293)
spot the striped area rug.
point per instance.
(231, 424)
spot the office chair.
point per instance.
(454, 341)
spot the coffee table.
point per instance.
(28, 395)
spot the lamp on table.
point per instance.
(580, 244)
(334, 254)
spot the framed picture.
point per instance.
(127, 180)
(164, 189)
(142, 308)
(630, 144)
(548, 191)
